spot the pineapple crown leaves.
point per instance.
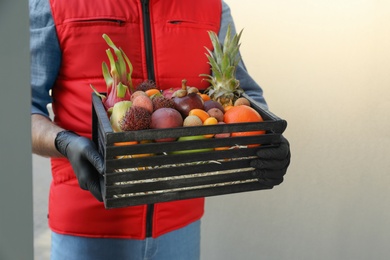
(223, 61)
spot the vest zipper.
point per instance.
(151, 76)
(148, 39)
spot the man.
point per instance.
(165, 42)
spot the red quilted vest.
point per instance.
(178, 36)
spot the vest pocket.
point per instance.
(96, 21)
(178, 23)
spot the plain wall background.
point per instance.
(16, 215)
(324, 67)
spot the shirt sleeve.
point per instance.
(45, 55)
(247, 83)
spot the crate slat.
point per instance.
(184, 194)
(181, 183)
(175, 171)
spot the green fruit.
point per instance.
(188, 138)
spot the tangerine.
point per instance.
(203, 115)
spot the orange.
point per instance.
(125, 143)
(151, 92)
(205, 97)
(203, 115)
(226, 108)
(243, 114)
(134, 155)
(222, 148)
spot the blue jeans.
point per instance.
(180, 244)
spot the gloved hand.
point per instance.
(272, 163)
(86, 161)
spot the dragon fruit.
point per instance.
(117, 78)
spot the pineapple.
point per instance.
(224, 88)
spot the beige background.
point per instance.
(324, 67)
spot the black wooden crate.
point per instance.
(164, 176)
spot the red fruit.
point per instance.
(143, 101)
(169, 92)
(166, 118)
(135, 118)
(136, 94)
(117, 78)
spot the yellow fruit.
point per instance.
(210, 121)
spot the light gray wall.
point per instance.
(16, 217)
(324, 66)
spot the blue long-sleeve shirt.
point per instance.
(46, 56)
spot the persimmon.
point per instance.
(243, 114)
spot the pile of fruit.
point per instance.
(150, 108)
(146, 107)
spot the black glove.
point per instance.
(272, 163)
(86, 161)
